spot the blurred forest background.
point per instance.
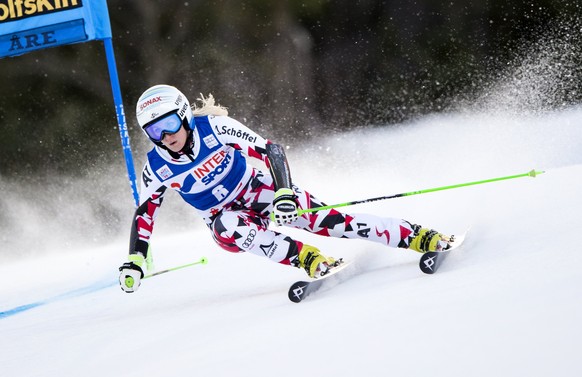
(281, 67)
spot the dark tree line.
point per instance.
(283, 67)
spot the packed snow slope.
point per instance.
(507, 303)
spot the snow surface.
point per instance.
(506, 303)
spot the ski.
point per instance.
(430, 262)
(301, 289)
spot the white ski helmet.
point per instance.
(161, 102)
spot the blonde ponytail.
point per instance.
(208, 107)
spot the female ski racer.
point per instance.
(202, 154)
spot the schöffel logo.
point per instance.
(13, 10)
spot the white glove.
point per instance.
(284, 207)
(130, 277)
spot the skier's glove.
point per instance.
(130, 277)
(284, 207)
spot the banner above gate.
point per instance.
(28, 25)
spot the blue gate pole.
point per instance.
(123, 133)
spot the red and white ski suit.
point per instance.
(235, 199)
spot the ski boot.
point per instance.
(425, 240)
(314, 263)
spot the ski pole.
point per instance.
(532, 173)
(202, 260)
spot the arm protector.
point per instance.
(143, 223)
(279, 166)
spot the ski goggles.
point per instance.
(169, 124)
